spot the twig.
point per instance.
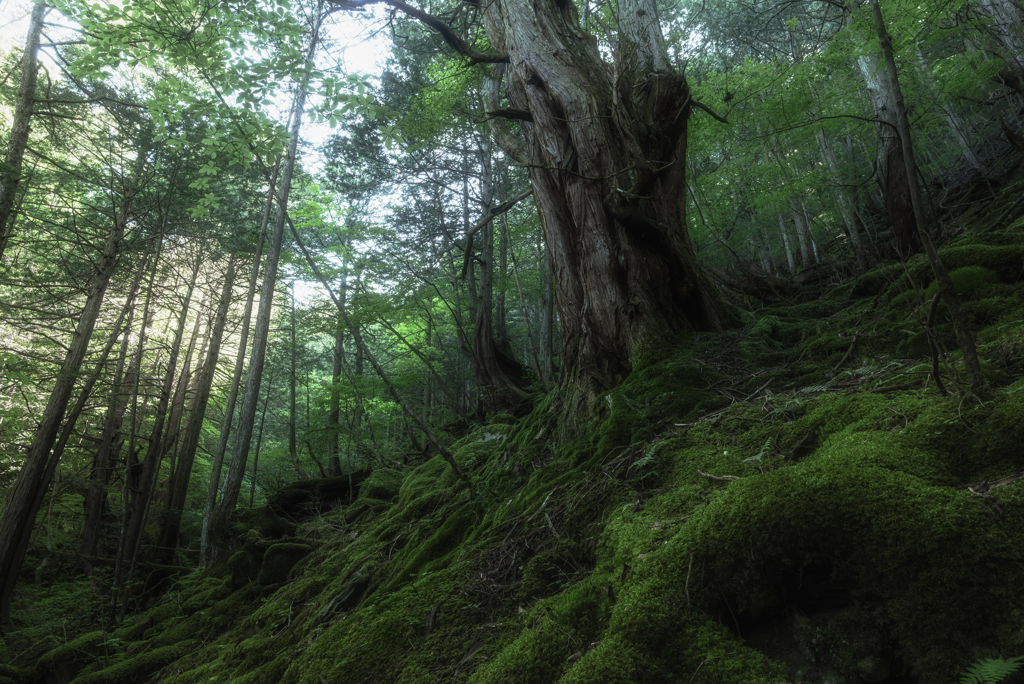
(849, 352)
(718, 478)
(758, 390)
(687, 586)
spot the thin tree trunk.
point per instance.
(293, 446)
(961, 322)
(111, 438)
(229, 408)
(358, 338)
(190, 442)
(787, 247)
(247, 414)
(131, 540)
(547, 320)
(10, 172)
(16, 517)
(259, 442)
(501, 381)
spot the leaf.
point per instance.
(990, 671)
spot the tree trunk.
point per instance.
(250, 397)
(16, 518)
(890, 164)
(190, 442)
(961, 322)
(843, 199)
(236, 377)
(259, 442)
(293, 445)
(334, 403)
(139, 500)
(787, 247)
(111, 439)
(607, 149)
(10, 171)
(547, 321)
(501, 381)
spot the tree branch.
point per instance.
(496, 211)
(450, 37)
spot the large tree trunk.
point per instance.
(890, 164)
(10, 171)
(961, 321)
(607, 148)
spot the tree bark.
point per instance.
(138, 501)
(236, 377)
(501, 381)
(890, 163)
(111, 438)
(547, 321)
(961, 322)
(16, 517)
(250, 397)
(190, 443)
(606, 149)
(293, 444)
(10, 172)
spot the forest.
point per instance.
(519, 342)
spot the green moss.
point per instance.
(139, 668)
(278, 561)
(382, 484)
(1004, 260)
(263, 521)
(69, 658)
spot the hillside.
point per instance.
(792, 500)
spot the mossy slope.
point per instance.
(784, 501)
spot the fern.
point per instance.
(769, 447)
(990, 671)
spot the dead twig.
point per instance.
(718, 478)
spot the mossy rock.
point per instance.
(63, 662)
(139, 668)
(264, 521)
(279, 560)
(1007, 261)
(383, 484)
(13, 672)
(970, 282)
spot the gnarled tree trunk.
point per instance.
(606, 145)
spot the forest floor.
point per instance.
(795, 499)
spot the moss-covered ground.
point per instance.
(793, 500)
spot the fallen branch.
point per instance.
(718, 478)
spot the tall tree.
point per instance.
(10, 172)
(250, 397)
(606, 148)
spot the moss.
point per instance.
(139, 668)
(1007, 261)
(279, 560)
(382, 484)
(13, 672)
(66, 660)
(263, 521)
